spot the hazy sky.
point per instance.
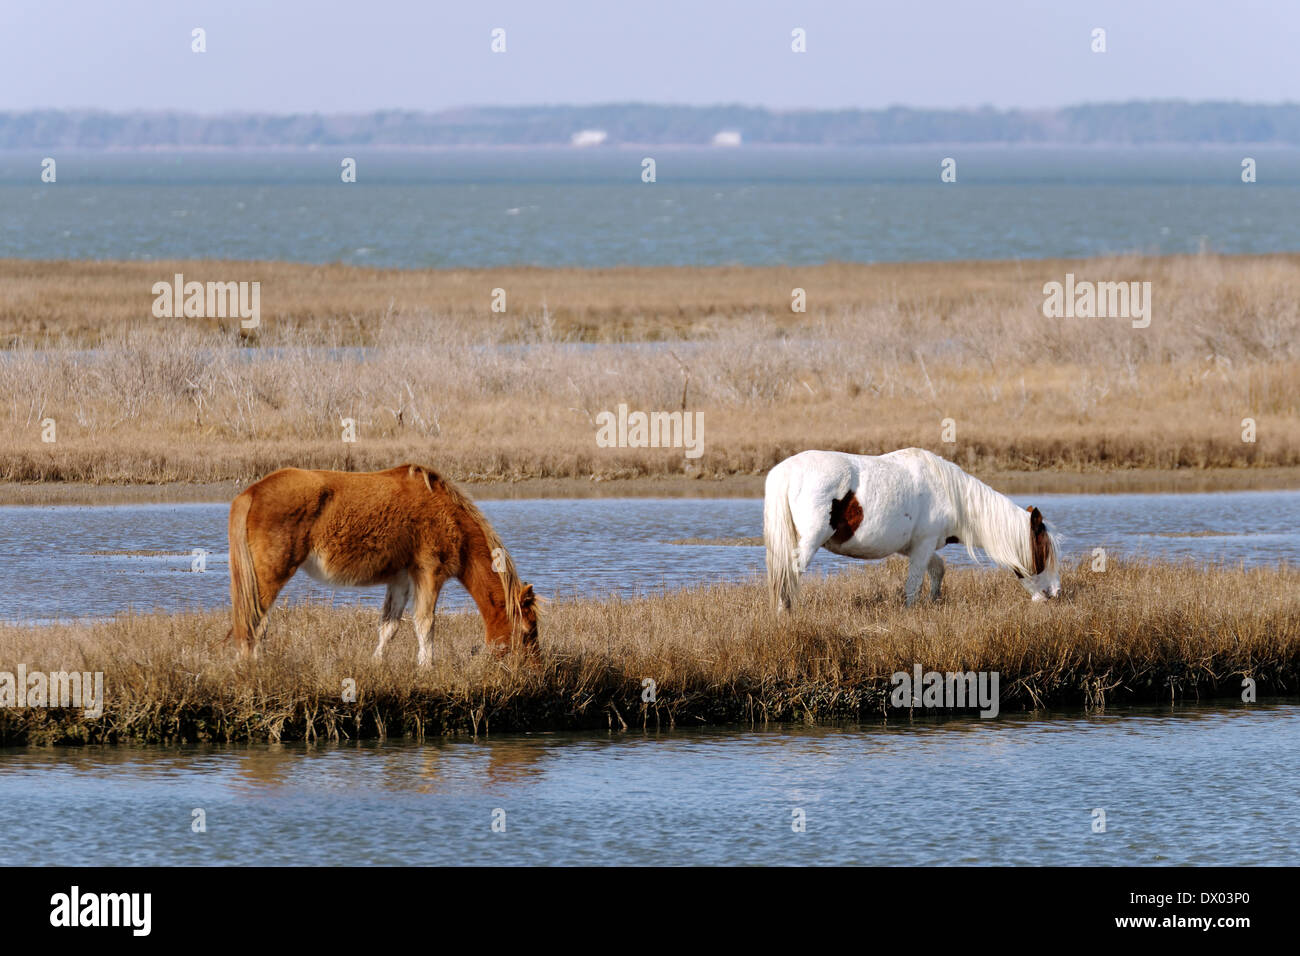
(330, 56)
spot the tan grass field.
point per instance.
(1166, 480)
(1137, 632)
(883, 355)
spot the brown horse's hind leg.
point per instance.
(399, 592)
(273, 568)
(268, 589)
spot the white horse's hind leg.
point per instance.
(935, 568)
(394, 604)
(803, 554)
(792, 552)
(812, 535)
(812, 522)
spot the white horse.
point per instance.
(908, 502)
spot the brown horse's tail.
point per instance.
(245, 605)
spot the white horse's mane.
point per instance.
(986, 518)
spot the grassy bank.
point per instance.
(1133, 633)
(884, 354)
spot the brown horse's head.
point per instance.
(520, 605)
(526, 625)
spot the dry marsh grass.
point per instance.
(884, 354)
(1150, 480)
(1135, 632)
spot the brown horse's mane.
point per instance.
(502, 563)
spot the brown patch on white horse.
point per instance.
(846, 516)
(406, 528)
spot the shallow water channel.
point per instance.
(65, 561)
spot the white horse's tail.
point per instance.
(782, 539)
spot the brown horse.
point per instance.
(406, 528)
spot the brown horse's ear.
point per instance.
(1035, 518)
(414, 470)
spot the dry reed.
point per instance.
(883, 356)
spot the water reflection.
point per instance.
(1020, 788)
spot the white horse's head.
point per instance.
(1045, 582)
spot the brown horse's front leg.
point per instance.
(427, 587)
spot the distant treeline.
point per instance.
(1120, 123)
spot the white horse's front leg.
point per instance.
(917, 561)
(936, 575)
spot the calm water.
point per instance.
(51, 569)
(1178, 786)
(553, 207)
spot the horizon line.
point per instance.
(624, 104)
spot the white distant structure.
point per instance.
(588, 137)
(727, 137)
